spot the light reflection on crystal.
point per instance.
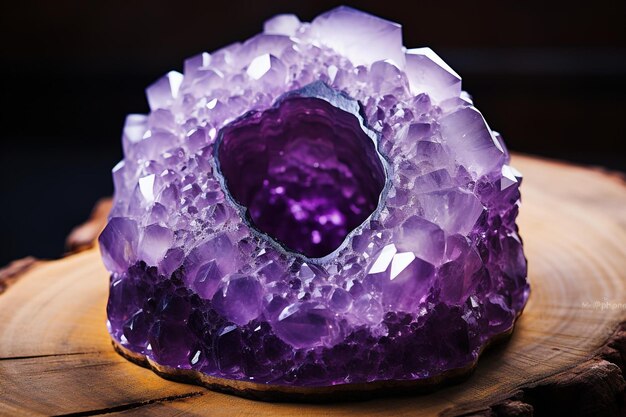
(360, 37)
(427, 72)
(282, 24)
(162, 93)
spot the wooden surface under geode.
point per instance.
(564, 356)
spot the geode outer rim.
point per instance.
(516, 282)
(320, 90)
(317, 393)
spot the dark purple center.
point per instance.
(305, 170)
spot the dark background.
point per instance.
(551, 76)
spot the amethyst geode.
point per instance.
(315, 206)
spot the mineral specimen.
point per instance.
(315, 206)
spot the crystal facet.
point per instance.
(427, 73)
(314, 206)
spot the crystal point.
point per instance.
(428, 73)
(162, 93)
(282, 24)
(360, 37)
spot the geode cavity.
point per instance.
(306, 171)
(314, 207)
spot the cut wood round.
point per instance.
(565, 357)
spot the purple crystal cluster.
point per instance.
(315, 206)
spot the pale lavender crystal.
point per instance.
(476, 146)
(401, 278)
(360, 37)
(240, 300)
(428, 73)
(306, 325)
(163, 93)
(207, 280)
(119, 243)
(423, 238)
(314, 206)
(284, 24)
(154, 243)
(454, 210)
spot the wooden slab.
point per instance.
(56, 357)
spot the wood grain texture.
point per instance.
(84, 236)
(565, 357)
(10, 273)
